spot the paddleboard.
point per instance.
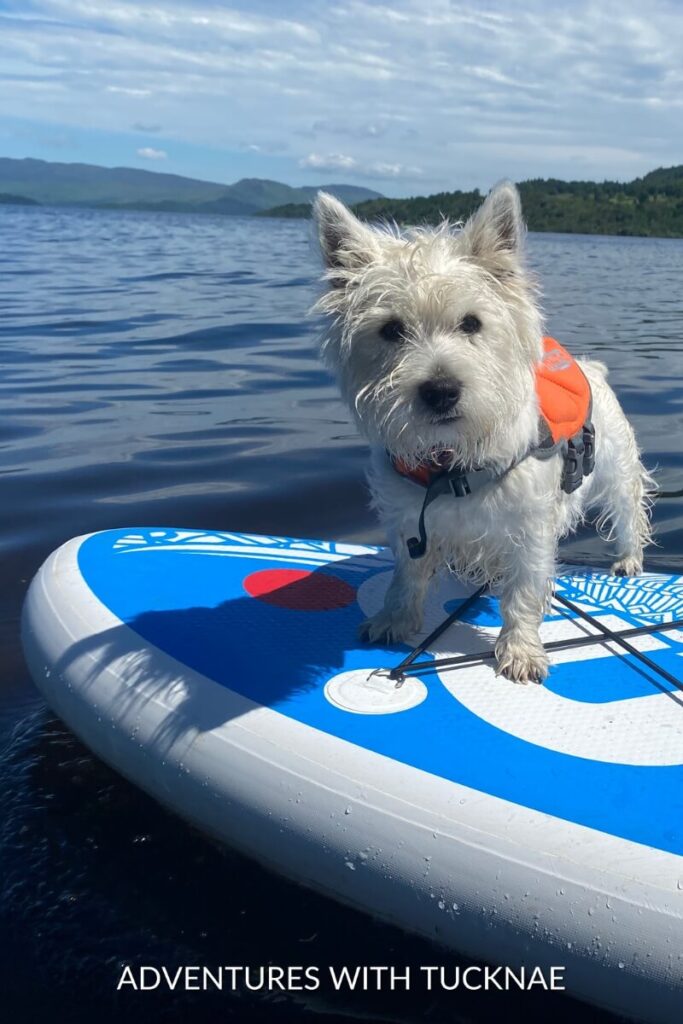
(519, 825)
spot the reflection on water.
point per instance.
(161, 370)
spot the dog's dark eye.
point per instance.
(470, 324)
(392, 330)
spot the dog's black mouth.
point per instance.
(439, 421)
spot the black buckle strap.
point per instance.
(579, 459)
(588, 448)
(572, 470)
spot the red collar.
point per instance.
(424, 472)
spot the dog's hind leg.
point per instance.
(620, 485)
(628, 512)
(625, 503)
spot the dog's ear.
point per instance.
(346, 242)
(494, 233)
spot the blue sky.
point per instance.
(408, 97)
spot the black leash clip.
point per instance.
(441, 484)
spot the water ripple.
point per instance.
(162, 368)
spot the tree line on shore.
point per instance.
(651, 205)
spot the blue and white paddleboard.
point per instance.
(536, 825)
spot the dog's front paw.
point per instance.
(520, 661)
(630, 565)
(388, 627)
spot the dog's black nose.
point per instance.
(440, 394)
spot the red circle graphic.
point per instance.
(300, 589)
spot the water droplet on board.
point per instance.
(350, 865)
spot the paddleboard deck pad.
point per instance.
(536, 825)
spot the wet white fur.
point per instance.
(508, 533)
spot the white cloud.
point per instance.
(355, 168)
(331, 162)
(384, 170)
(415, 96)
(147, 153)
(126, 91)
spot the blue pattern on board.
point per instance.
(196, 608)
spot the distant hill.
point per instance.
(128, 188)
(7, 197)
(291, 211)
(651, 205)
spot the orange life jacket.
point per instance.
(563, 391)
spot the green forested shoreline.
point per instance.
(651, 205)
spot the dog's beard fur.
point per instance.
(430, 280)
(435, 284)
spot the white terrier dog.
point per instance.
(436, 339)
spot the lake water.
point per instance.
(161, 370)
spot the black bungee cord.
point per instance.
(619, 637)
